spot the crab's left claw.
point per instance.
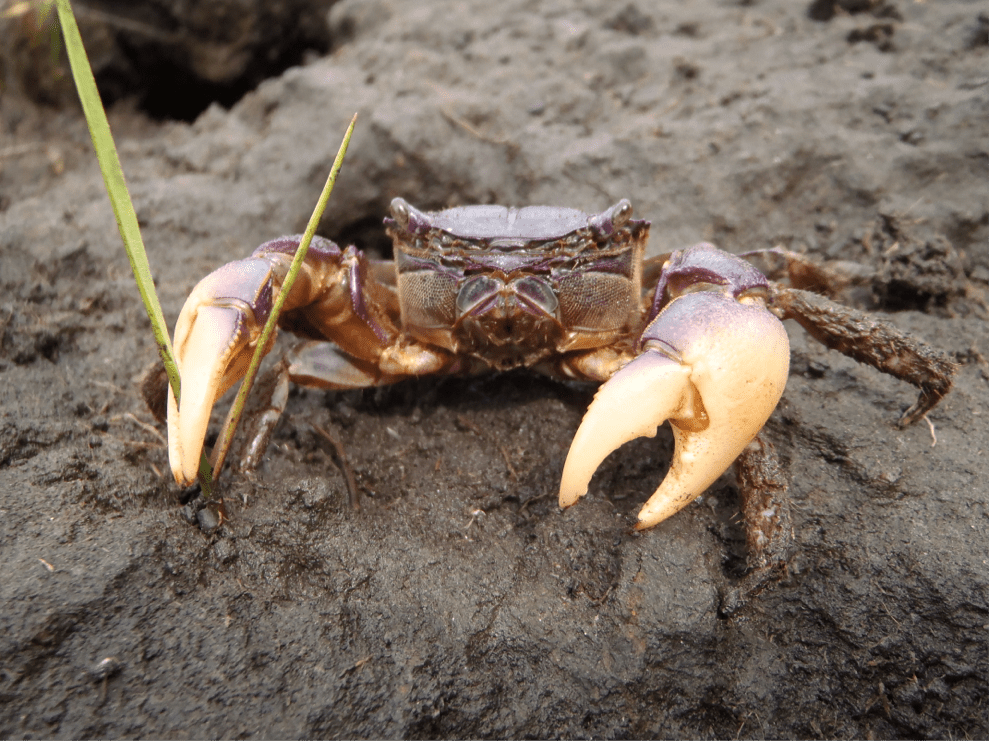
(215, 335)
(711, 364)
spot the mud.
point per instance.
(459, 601)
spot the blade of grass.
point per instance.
(113, 176)
(233, 418)
(123, 209)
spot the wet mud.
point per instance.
(459, 600)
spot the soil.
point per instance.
(459, 600)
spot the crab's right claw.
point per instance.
(215, 337)
(715, 367)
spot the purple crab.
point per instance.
(694, 337)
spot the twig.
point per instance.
(508, 462)
(500, 141)
(348, 473)
(356, 665)
(933, 434)
(150, 429)
(533, 500)
(464, 421)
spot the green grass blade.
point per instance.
(226, 436)
(123, 209)
(113, 176)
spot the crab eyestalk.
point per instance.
(714, 366)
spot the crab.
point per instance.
(694, 337)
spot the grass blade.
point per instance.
(113, 176)
(123, 208)
(227, 434)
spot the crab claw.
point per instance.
(715, 367)
(215, 336)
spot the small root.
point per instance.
(933, 433)
(353, 497)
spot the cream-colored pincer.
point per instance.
(717, 398)
(210, 342)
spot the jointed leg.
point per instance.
(765, 506)
(765, 509)
(872, 342)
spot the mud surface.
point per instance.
(459, 601)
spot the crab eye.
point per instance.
(606, 222)
(400, 212)
(475, 292)
(537, 293)
(621, 213)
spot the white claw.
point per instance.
(717, 399)
(632, 404)
(215, 336)
(204, 352)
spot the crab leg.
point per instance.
(334, 297)
(715, 366)
(872, 342)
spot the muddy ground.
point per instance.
(459, 601)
